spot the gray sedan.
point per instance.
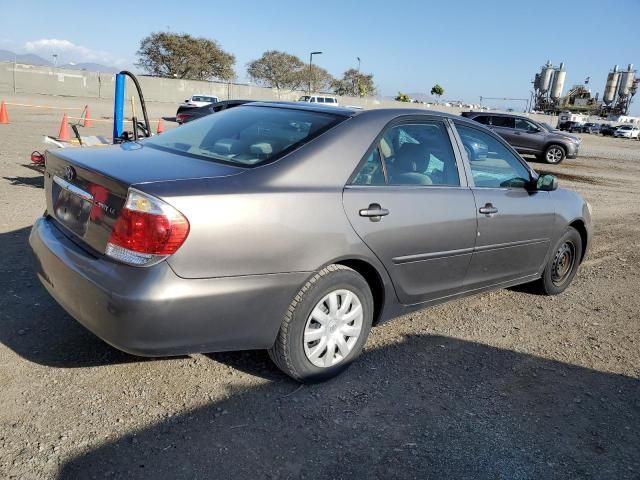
(294, 228)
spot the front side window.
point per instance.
(245, 135)
(526, 125)
(484, 119)
(492, 164)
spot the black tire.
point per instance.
(554, 154)
(288, 351)
(557, 276)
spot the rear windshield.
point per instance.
(246, 135)
(199, 98)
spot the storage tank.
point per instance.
(558, 82)
(610, 87)
(545, 77)
(626, 81)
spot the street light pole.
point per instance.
(358, 75)
(310, 62)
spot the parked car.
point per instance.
(571, 126)
(295, 227)
(591, 127)
(200, 100)
(627, 131)
(608, 130)
(319, 99)
(530, 137)
(187, 114)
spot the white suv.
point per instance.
(316, 99)
(200, 100)
(627, 131)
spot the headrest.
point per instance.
(411, 157)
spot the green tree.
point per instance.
(278, 70)
(437, 90)
(175, 55)
(402, 97)
(354, 84)
(321, 80)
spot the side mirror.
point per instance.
(547, 183)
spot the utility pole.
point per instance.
(310, 62)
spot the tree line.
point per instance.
(180, 55)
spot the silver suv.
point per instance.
(530, 137)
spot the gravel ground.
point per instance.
(506, 385)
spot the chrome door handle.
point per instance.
(375, 212)
(488, 209)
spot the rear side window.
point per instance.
(413, 154)
(505, 122)
(371, 173)
(245, 135)
(320, 99)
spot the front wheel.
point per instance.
(554, 154)
(325, 326)
(563, 264)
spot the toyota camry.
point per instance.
(295, 228)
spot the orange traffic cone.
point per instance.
(88, 123)
(4, 116)
(64, 129)
(160, 128)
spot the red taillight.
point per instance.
(146, 231)
(182, 117)
(149, 233)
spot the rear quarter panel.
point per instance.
(287, 216)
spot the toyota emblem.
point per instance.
(69, 173)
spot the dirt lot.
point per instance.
(507, 385)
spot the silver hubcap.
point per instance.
(333, 328)
(554, 155)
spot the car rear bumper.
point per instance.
(153, 312)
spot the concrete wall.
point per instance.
(20, 79)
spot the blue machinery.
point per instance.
(139, 129)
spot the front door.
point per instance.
(514, 223)
(413, 209)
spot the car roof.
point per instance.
(312, 107)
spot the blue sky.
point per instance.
(488, 48)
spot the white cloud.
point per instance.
(69, 52)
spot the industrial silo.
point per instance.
(545, 77)
(558, 82)
(626, 81)
(609, 94)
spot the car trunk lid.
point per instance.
(86, 188)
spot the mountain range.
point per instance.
(33, 59)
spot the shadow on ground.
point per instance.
(31, 322)
(430, 407)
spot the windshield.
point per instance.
(246, 135)
(304, 98)
(547, 127)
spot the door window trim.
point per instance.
(412, 120)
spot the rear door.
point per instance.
(409, 202)
(514, 223)
(505, 127)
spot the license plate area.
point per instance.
(71, 205)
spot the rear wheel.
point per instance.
(554, 154)
(325, 326)
(563, 264)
